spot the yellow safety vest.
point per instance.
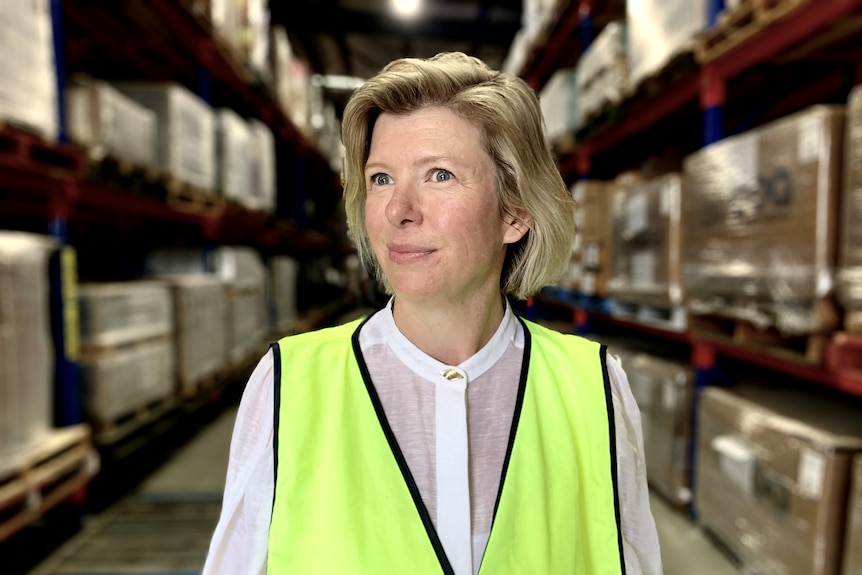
(346, 503)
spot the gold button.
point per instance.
(451, 374)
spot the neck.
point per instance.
(450, 334)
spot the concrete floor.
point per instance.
(196, 473)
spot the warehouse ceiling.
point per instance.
(358, 37)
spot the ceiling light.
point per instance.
(406, 8)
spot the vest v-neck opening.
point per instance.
(516, 418)
(399, 456)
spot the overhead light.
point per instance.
(406, 8)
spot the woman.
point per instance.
(442, 434)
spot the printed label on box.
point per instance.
(812, 466)
(810, 136)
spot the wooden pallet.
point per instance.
(736, 26)
(807, 348)
(26, 149)
(124, 174)
(45, 476)
(187, 198)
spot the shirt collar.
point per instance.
(427, 367)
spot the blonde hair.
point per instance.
(507, 112)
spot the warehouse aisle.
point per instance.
(164, 526)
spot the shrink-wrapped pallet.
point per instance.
(602, 73)
(660, 30)
(200, 313)
(262, 188)
(852, 562)
(28, 78)
(851, 217)
(559, 104)
(186, 148)
(233, 156)
(663, 387)
(117, 313)
(773, 469)
(109, 123)
(244, 274)
(283, 274)
(760, 222)
(26, 349)
(593, 235)
(647, 238)
(120, 380)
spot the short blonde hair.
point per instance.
(507, 112)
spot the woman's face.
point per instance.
(431, 211)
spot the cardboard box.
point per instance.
(663, 390)
(647, 240)
(853, 535)
(761, 219)
(593, 236)
(850, 249)
(773, 471)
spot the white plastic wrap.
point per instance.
(559, 104)
(233, 161)
(118, 381)
(602, 72)
(283, 274)
(109, 123)
(659, 30)
(118, 313)
(26, 349)
(262, 191)
(186, 131)
(28, 90)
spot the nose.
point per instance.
(403, 208)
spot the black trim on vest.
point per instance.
(516, 417)
(603, 355)
(276, 394)
(399, 456)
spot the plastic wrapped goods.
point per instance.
(117, 313)
(647, 240)
(233, 159)
(118, 381)
(602, 72)
(593, 238)
(186, 149)
(773, 467)
(853, 537)
(663, 390)
(201, 336)
(110, 124)
(761, 217)
(659, 30)
(560, 104)
(26, 349)
(28, 78)
(851, 216)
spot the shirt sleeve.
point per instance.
(641, 548)
(239, 541)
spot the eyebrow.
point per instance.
(420, 162)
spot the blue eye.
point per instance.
(381, 179)
(441, 175)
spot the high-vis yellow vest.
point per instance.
(346, 503)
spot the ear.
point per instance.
(517, 226)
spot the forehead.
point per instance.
(426, 128)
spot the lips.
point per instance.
(406, 253)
